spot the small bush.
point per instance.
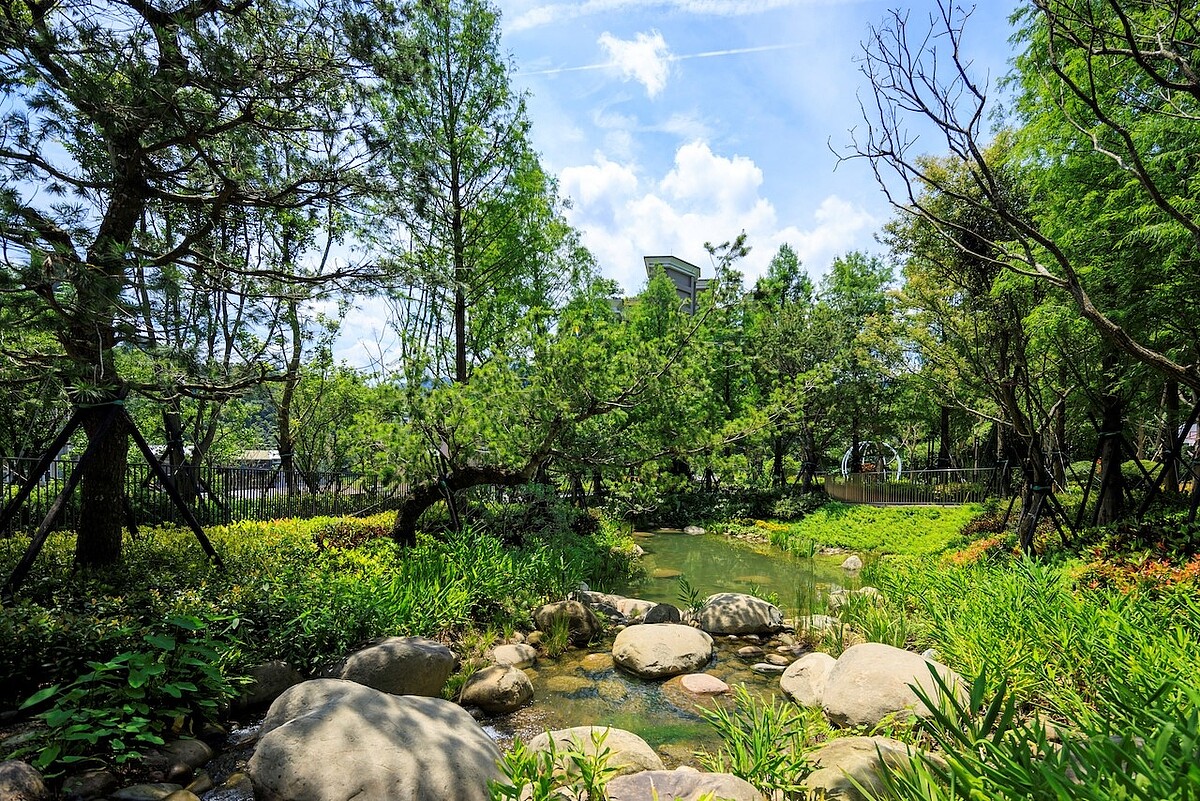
(130, 701)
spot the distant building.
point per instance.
(685, 275)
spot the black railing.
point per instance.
(216, 494)
(916, 487)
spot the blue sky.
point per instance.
(674, 122)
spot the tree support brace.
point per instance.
(117, 410)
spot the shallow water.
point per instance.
(584, 688)
(712, 563)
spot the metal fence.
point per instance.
(916, 487)
(216, 494)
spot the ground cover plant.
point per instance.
(91, 642)
(913, 530)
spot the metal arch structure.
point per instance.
(878, 451)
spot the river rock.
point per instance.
(782, 660)
(852, 563)
(636, 607)
(156, 791)
(738, 613)
(663, 613)
(804, 680)
(21, 782)
(267, 681)
(662, 650)
(497, 689)
(398, 665)
(628, 752)
(846, 763)
(871, 681)
(750, 652)
(518, 655)
(703, 684)
(680, 785)
(582, 624)
(193, 753)
(693, 531)
(596, 663)
(767, 669)
(332, 740)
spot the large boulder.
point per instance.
(804, 680)
(662, 650)
(871, 681)
(20, 782)
(628, 752)
(333, 740)
(398, 665)
(582, 624)
(497, 689)
(267, 681)
(680, 785)
(738, 613)
(845, 764)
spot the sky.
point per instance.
(672, 123)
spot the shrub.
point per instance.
(133, 699)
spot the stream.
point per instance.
(582, 687)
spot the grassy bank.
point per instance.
(909, 530)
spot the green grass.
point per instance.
(303, 591)
(908, 530)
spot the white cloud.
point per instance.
(646, 59)
(705, 197)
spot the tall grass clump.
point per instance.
(1056, 643)
(1142, 742)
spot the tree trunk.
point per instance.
(943, 458)
(1110, 503)
(778, 448)
(426, 494)
(1170, 430)
(102, 490)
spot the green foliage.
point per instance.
(690, 598)
(130, 701)
(763, 742)
(1055, 643)
(1141, 744)
(293, 599)
(544, 775)
(911, 530)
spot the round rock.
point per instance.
(629, 753)
(582, 624)
(846, 764)
(21, 782)
(804, 680)
(398, 665)
(662, 650)
(680, 785)
(738, 613)
(497, 689)
(518, 655)
(331, 740)
(871, 681)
